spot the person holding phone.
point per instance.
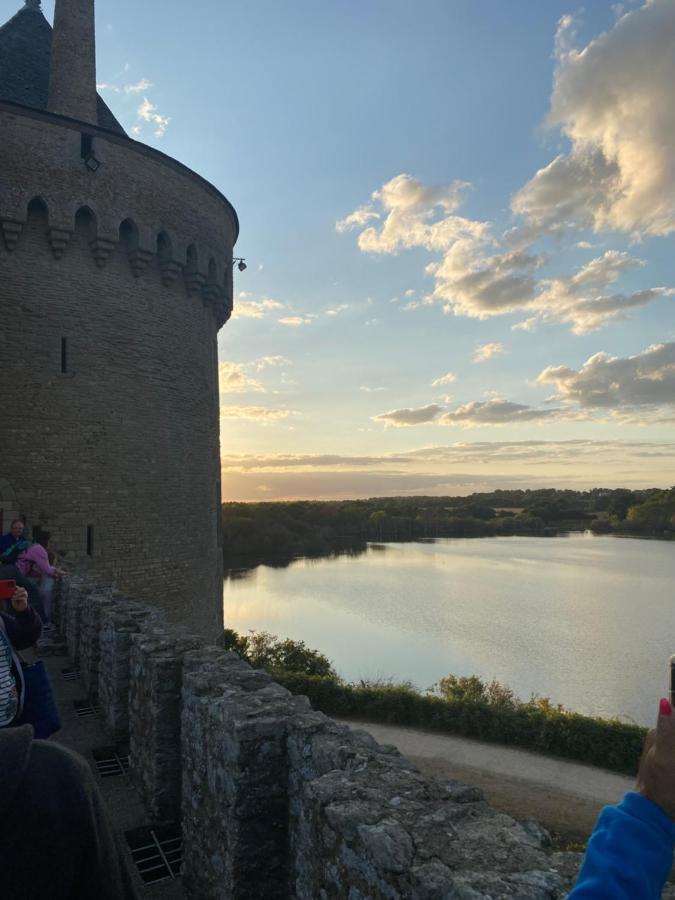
(630, 853)
(22, 626)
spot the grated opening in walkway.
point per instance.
(157, 852)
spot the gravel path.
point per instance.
(565, 797)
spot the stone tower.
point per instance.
(115, 277)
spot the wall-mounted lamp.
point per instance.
(241, 265)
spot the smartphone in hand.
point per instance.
(7, 588)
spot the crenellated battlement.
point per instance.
(274, 800)
(124, 193)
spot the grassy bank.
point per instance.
(458, 706)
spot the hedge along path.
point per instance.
(608, 744)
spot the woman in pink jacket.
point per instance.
(34, 563)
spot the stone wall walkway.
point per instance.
(85, 734)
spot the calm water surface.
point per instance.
(588, 621)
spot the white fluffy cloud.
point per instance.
(448, 378)
(413, 215)
(487, 351)
(147, 112)
(233, 379)
(613, 100)
(247, 308)
(472, 280)
(604, 381)
(582, 299)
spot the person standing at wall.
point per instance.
(13, 536)
(34, 564)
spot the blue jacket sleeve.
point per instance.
(629, 854)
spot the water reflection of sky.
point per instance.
(588, 621)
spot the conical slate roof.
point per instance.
(25, 51)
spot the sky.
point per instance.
(458, 218)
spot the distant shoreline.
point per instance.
(248, 561)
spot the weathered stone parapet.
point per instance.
(235, 793)
(118, 623)
(278, 801)
(156, 675)
(90, 628)
(364, 822)
(78, 594)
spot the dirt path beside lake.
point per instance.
(565, 797)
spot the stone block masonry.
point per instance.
(156, 675)
(114, 285)
(278, 802)
(118, 624)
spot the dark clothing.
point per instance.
(58, 842)
(7, 541)
(23, 629)
(34, 596)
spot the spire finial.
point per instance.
(33, 4)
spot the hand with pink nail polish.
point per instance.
(656, 776)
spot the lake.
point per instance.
(587, 621)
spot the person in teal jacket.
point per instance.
(630, 853)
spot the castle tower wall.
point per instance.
(113, 285)
(72, 76)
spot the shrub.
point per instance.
(463, 705)
(266, 651)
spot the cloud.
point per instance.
(371, 390)
(233, 379)
(495, 412)
(472, 280)
(147, 112)
(451, 469)
(246, 308)
(613, 100)
(406, 417)
(336, 310)
(413, 215)
(261, 414)
(105, 86)
(266, 362)
(448, 378)
(138, 87)
(487, 351)
(612, 382)
(295, 321)
(356, 219)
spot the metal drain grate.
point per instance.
(111, 761)
(70, 674)
(84, 708)
(157, 852)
